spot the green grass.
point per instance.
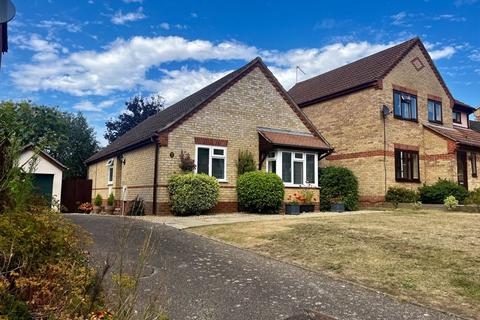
(430, 257)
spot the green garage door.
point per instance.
(43, 184)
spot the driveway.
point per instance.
(197, 278)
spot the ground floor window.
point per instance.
(474, 164)
(296, 168)
(407, 166)
(110, 172)
(211, 160)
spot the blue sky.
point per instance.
(91, 55)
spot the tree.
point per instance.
(65, 136)
(138, 109)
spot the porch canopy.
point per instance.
(270, 139)
(465, 138)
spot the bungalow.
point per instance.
(393, 121)
(245, 110)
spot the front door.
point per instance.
(462, 169)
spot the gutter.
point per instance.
(155, 174)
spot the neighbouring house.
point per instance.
(393, 121)
(47, 173)
(245, 110)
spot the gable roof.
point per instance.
(174, 115)
(361, 74)
(46, 156)
(292, 139)
(462, 106)
(462, 136)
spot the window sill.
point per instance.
(403, 119)
(474, 175)
(436, 122)
(299, 186)
(407, 181)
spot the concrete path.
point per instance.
(197, 278)
(205, 220)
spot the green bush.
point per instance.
(450, 203)
(261, 192)
(338, 182)
(438, 192)
(98, 200)
(192, 193)
(474, 198)
(111, 199)
(245, 162)
(396, 195)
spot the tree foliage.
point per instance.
(138, 109)
(65, 136)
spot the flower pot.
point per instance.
(97, 209)
(109, 209)
(307, 207)
(337, 207)
(292, 209)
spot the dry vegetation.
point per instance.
(424, 256)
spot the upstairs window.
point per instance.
(110, 172)
(212, 161)
(407, 168)
(294, 167)
(405, 106)
(457, 117)
(435, 111)
(474, 164)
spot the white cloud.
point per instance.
(121, 18)
(55, 24)
(165, 26)
(86, 105)
(449, 17)
(475, 55)
(124, 65)
(399, 19)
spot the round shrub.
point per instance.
(396, 195)
(260, 192)
(440, 190)
(338, 182)
(192, 193)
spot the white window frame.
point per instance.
(278, 158)
(211, 156)
(110, 165)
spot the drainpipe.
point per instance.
(155, 175)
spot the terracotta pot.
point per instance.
(97, 209)
(109, 209)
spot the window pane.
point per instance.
(431, 111)
(203, 157)
(298, 155)
(403, 165)
(286, 166)
(405, 109)
(438, 112)
(218, 168)
(396, 104)
(272, 166)
(415, 173)
(413, 107)
(110, 174)
(298, 172)
(218, 152)
(271, 155)
(310, 168)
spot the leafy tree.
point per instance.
(138, 109)
(65, 136)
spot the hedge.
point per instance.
(338, 182)
(396, 195)
(440, 190)
(192, 193)
(260, 192)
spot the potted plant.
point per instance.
(97, 204)
(306, 196)
(291, 206)
(85, 207)
(337, 204)
(110, 204)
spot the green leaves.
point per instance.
(259, 191)
(337, 182)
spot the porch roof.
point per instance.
(292, 139)
(462, 136)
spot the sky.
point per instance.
(91, 56)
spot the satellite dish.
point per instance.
(7, 11)
(385, 111)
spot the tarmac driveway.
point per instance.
(197, 278)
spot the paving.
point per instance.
(212, 219)
(197, 278)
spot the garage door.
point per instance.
(43, 184)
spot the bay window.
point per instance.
(296, 168)
(212, 161)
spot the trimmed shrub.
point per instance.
(111, 199)
(438, 192)
(338, 182)
(245, 162)
(260, 192)
(192, 193)
(98, 200)
(474, 198)
(450, 203)
(396, 195)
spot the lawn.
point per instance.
(430, 257)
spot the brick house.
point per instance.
(245, 110)
(393, 121)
